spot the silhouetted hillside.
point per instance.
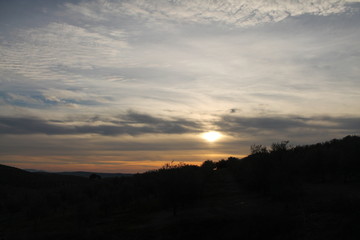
(277, 192)
(283, 168)
(10, 176)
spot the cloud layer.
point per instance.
(137, 124)
(131, 123)
(287, 125)
(235, 12)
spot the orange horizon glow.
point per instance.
(107, 164)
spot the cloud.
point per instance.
(233, 12)
(18, 125)
(134, 124)
(41, 101)
(274, 126)
(129, 124)
(105, 51)
(48, 52)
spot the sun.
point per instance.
(211, 136)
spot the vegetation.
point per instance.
(280, 192)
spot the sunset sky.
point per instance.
(127, 86)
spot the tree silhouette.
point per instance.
(258, 149)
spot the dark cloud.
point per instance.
(131, 123)
(24, 125)
(135, 117)
(283, 124)
(351, 123)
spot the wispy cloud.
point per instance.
(103, 50)
(131, 123)
(40, 53)
(60, 65)
(234, 12)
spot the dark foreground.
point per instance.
(308, 192)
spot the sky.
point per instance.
(129, 85)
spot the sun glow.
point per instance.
(211, 136)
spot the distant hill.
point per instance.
(33, 170)
(32, 178)
(15, 177)
(83, 173)
(87, 174)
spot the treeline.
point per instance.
(282, 169)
